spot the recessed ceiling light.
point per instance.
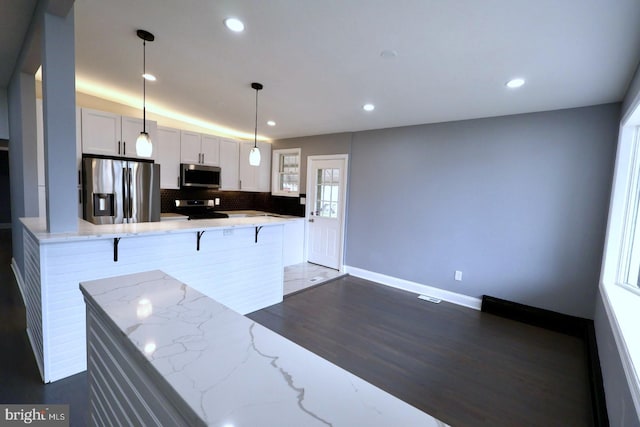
(388, 54)
(515, 83)
(149, 77)
(368, 107)
(234, 24)
(271, 123)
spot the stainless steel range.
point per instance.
(198, 209)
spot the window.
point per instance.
(286, 173)
(629, 260)
(327, 193)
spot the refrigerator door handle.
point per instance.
(129, 183)
(125, 195)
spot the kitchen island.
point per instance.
(237, 261)
(161, 353)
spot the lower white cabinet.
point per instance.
(168, 145)
(293, 250)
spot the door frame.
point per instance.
(343, 208)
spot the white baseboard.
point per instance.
(418, 288)
(18, 276)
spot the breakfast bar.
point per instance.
(162, 353)
(237, 261)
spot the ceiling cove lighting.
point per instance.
(254, 154)
(234, 24)
(368, 107)
(103, 90)
(144, 148)
(515, 83)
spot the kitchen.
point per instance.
(475, 181)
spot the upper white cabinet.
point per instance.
(190, 147)
(210, 148)
(255, 178)
(285, 176)
(168, 146)
(199, 149)
(229, 162)
(110, 134)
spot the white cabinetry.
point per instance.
(293, 251)
(255, 178)
(285, 178)
(168, 145)
(110, 134)
(199, 149)
(229, 155)
(189, 147)
(210, 148)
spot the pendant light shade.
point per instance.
(144, 148)
(254, 154)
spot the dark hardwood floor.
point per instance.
(460, 365)
(465, 367)
(20, 380)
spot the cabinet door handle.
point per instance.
(202, 157)
(178, 182)
(118, 147)
(124, 148)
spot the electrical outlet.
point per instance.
(303, 200)
(458, 275)
(217, 201)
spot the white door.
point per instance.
(326, 194)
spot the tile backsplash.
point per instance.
(235, 200)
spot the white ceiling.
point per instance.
(15, 16)
(320, 60)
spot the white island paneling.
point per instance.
(230, 266)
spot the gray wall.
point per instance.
(620, 406)
(517, 203)
(4, 114)
(633, 93)
(22, 157)
(338, 143)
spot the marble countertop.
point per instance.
(231, 371)
(89, 231)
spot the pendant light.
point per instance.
(144, 148)
(254, 154)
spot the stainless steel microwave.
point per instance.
(199, 176)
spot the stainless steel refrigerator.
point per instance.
(120, 191)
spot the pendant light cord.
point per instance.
(144, 86)
(255, 135)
